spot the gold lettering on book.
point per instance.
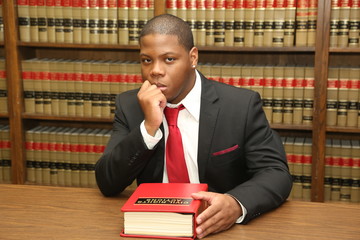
(164, 201)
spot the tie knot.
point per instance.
(171, 114)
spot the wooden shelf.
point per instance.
(66, 118)
(344, 50)
(4, 115)
(256, 49)
(291, 127)
(78, 46)
(343, 129)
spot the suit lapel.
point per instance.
(209, 110)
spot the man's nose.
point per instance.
(157, 69)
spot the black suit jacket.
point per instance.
(238, 153)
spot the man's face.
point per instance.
(166, 63)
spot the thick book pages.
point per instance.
(162, 210)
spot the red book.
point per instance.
(162, 210)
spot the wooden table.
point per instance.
(41, 212)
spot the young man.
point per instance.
(227, 141)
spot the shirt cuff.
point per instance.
(149, 140)
(244, 211)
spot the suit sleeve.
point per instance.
(270, 182)
(125, 155)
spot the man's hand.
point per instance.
(152, 102)
(222, 212)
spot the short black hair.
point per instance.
(168, 24)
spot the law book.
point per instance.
(37, 79)
(226, 74)
(45, 155)
(85, 21)
(162, 210)
(355, 171)
(219, 23)
(239, 23)
(123, 22)
(258, 79)
(250, 8)
(94, 12)
(5, 161)
(346, 165)
(268, 23)
(3, 88)
(76, 21)
(332, 96)
(37, 155)
(171, 7)
(344, 82)
(28, 84)
(246, 76)
(229, 22)
(52, 156)
(114, 78)
(336, 170)
(289, 83)
(308, 95)
(74, 157)
(59, 21)
(279, 23)
(353, 97)
(210, 22)
(24, 20)
(41, 21)
(289, 150)
(43, 65)
(68, 21)
(200, 22)
(29, 155)
(191, 11)
(134, 22)
(298, 94)
(103, 21)
(307, 163)
(86, 84)
(235, 75)
(302, 10)
(278, 95)
(50, 20)
(354, 21)
(34, 28)
(181, 9)
(334, 23)
(67, 156)
(259, 17)
(290, 23)
(78, 88)
(59, 155)
(83, 160)
(96, 82)
(1, 23)
(268, 92)
(344, 14)
(298, 168)
(112, 22)
(92, 156)
(327, 171)
(312, 20)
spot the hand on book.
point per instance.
(222, 212)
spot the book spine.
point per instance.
(200, 23)
(41, 19)
(50, 21)
(307, 162)
(334, 23)
(259, 27)
(344, 14)
(290, 23)
(298, 169)
(268, 92)
(332, 96)
(133, 22)
(87, 89)
(327, 171)
(76, 21)
(67, 157)
(46, 88)
(278, 95)
(210, 22)
(105, 91)
(54, 86)
(112, 22)
(94, 21)
(249, 23)
(346, 165)
(299, 83)
(289, 83)
(24, 20)
(344, 84)
(302, 13)
(45, 156)
(191, 11)
(59, 21)
(279, 23)
(336, 170)
(70, 88)
(353, 97)
(123, 22)
(79, 92)
(355, 171)
(34, 28)
(52, 157)
(354, 24)
(258, 80)
(103, 20)
(85, 21)
(3, 88)
(239, 23)
(171, 7)
(268, 23)
(312, 19)
(68, 21)
(308, 96)
(219, 23)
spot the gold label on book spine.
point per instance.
(164, 201)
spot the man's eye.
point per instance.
(169, 59)
(145, 60)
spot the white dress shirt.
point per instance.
(188, 123)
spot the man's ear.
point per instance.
(194, 56)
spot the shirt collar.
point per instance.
(192, 100)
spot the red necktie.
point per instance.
(175, 160)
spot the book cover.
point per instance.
(289, 82)
(355, 171)
(133, 22)
(298, 168)
(163, 198)
(268, 23)
(308, 95)
(85, 21)
(353, 97)
(327, 171)
(123, 21)
(354, 20)
(307, 164)
(259, 23)
(335, 170)
(290, 22)
(200, 23)
(267, 97)
(298, 94)
(24, 20)
(112, 23)
(249, 22)
(103, 22)
(279, 23)
(334, 23)
(94, 21)
(312, 19)
(210, 22)
(346, 166)
(239, 23)
(68, 21)
(190, 16)
(59, 21)
(302, 10)
(344, 14)
(344, 83)
(278, 95)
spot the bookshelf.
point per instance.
(321, 56)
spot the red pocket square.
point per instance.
(225, 150)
